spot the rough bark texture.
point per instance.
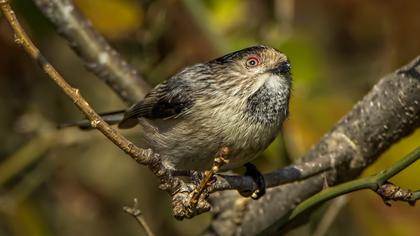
(389, 112)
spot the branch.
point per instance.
(26, 155)
(291, 173)
(391, 192)
(21, 38)
(389, 112)
(331, 213)
(415, 196)
(356, 141)
(220, 160)
(178, 190)
(377, 183)
(186, 203)
(99, 57)
(136, 213)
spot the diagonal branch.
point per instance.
(180, 192)
(138, 215)
(388, 113)
(99, 57)
(21, 38)
(291, 173)
(174, 186)
(377, 183)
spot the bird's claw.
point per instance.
(259, 180)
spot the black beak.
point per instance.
(284, 68)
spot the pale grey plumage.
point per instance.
(238, 101)
(224, 102)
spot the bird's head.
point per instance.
(246, 70)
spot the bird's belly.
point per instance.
(195, 157)
(193, 146)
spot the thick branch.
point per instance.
(99, 57)
(389, 112)
(377, 183)
(181, 192)
(298, 171)
(108, 65)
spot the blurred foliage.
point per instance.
(75, 183)
(113, 18)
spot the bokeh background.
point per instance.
(69, 182)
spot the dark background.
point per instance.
(70, 182)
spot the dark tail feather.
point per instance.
(111, 118)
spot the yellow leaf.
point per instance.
(225, 14)
(113, 18)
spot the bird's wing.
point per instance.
(167, 100)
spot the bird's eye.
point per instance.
(252, 61)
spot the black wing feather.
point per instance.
(167, 100)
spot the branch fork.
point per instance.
(188, 200)
(391, 192)
(376, 110)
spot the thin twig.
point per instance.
(385, 115)
(373, 183)
(13, 197)
(26, 155)
(330, 215)
(219, 161)
(175, 187)
(178, 190)
(140, 155)
(81, 35)
(391, 192)
(415, 196)
(136, 213)
(99, 57)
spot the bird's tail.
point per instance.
(111, 118)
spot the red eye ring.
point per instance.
(253, 61)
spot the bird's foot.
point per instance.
(205, 179)
(258, 178)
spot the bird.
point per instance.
(239, 101)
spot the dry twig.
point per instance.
(143, 156)
(353, 150)
(175, 187)
(99, 57)
(388, 113)
(219, 161)
(136, 213)
(179, 191)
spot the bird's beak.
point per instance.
(283, 68)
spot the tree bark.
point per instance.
(389, 112)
